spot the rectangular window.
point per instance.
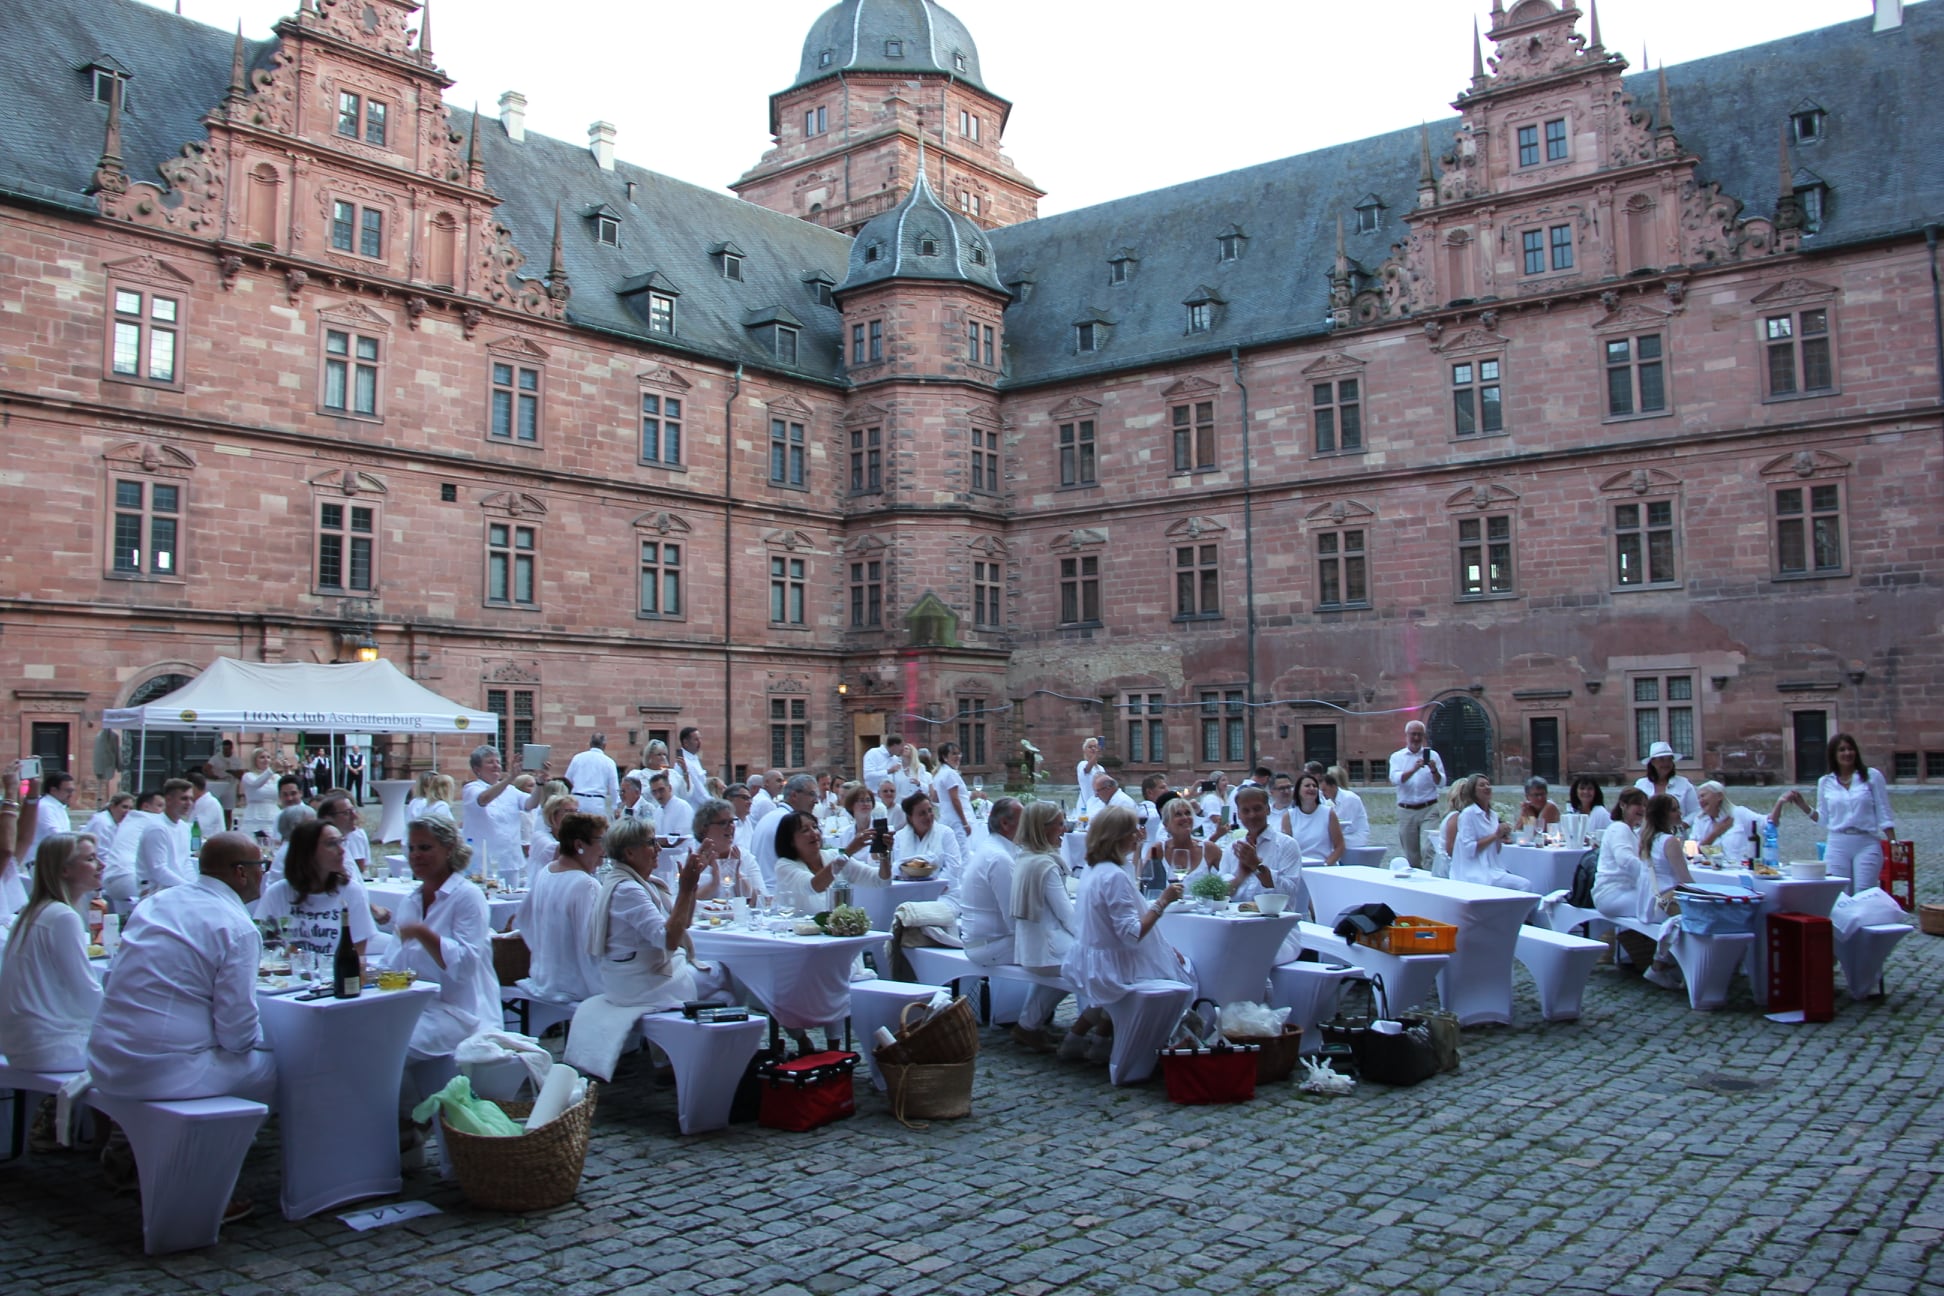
(985, 331)
(350, 373)
(151, 512)
(516, 402)
(1086, 337)
(1485, 556)
(1636, 378)
(348, 114)
(789, 733)
(344, 221)
(1342, 579)
(661, 579)
(1903, 766)
(1533, 243)
(786, 345)
(985, 461)
(345, 536)
(1556, 140)
(972, 341)
(510, 564)
(877, 340)
(1476, 404)
(1337, 409)
(1201, 317)
(1147, 738)
(1194, 436)
(371, 233)
(1663, 711)
(986, 581)
(866, 460)
(786, 590)
(1117, 270)
(375, 123)
(515, 709)
(1809, 530)
(1198, 581)
(815, 120)
(144, 338)
(1561, 239)
(661, 429)
(661, 313)
(968, 125)
(857, 344)
(972, 731)
(1077, 453)
(866, 595)
(1798, 353)
(1223, 732)
(787, 450)
(1528, 146)
(1643, 543)
(1080, 590)
(732, 266)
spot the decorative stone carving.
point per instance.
(294, 281)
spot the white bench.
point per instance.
(1863, 953)
(18, 1082)
(188, 1153)
(1708, 962)
(533, 1015)
(882, 1003)
(1309, 991)
(1144, 1018)
(709, 1059)
(1000, 999)
(1408, 978)
(1561, 965)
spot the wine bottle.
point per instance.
(347, 978)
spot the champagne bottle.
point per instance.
(347, 978)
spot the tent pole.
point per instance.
(141, 759)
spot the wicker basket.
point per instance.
(512, 959)
(1930, 918)
(928, 1093)
(534, 1171)
(950, 1035)
(1277, 1059)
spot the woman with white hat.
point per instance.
(1661, 780)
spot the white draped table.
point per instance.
(709, 1059)
(1815, 896)
(1231, 953)
(501, 906)
(803, 981)
(392, 794)
(881, 902)
(1547, 868)
(1477, 983)
(340, 1063)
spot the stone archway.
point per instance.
(165, 755)
(1461, 733)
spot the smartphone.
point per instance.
(880, 835)
(30, 768)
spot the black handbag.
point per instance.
(1400, 1060)
(1364, 920)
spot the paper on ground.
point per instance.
(391, 1213)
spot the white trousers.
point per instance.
(1857, 857)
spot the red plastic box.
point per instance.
(1802, 966)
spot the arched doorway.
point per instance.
(166, 754)
(1461, 734)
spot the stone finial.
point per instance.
(236, 67)
(1593, 42)
(1788, 207)
(425, 31)
(472, 148)
(1478, 57)
(557, 286)
(109, 177)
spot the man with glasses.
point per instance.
(1417, 774)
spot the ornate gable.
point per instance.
(349, 481)
(516, 504)
(1080, 538)
(663, 377)
(1340, 512)
(990, 546)
(1792, 291)
(518, 348)
(661, 523)
(1195, 527)
(790, 540)
(355, 313)
(1482, 496)
(867, 416)
(1641, 481)
(1632, 318)
(1806, 463)
(1334, 365)
(147, 269)
(1074, 407)
(1189, 388)
(1471, 341)
(153, 457)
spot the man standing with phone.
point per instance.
(56, 790)
(1417, 774)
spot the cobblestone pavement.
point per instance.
(1624, 1153)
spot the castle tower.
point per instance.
(847, 128)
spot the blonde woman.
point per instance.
(1480, 835)
(48, 992)
(1116, 944)
(433, 795)
(1044, 924)
(260, 793)
(545, 844)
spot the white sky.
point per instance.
(1109, 99)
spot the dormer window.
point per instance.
(661, 313)
(872, 251)
(607, 230)
(820, 286)
(894, 49)
(105, 80)
(1022, 290)
(958, 61)
(786, 344)
(1807, 123)
(927, 246)
(1121, 266)
(1201, 317)
(1814, 197)
(731, 258)
(978, 255)
(1089, 336)
(1370, 214)
(1229, 243)
(825, 58)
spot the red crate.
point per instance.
(1802, 965)
(1900, 873)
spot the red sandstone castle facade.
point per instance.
(1606, 412)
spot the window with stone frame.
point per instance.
(1224, 727)
(353, 364)
(516, 709)
(789, 732)
(1080, 590)
(1144, 715)
(514, 387)
(145, 332)
(789, 454)
(1198, 581)
(866, 460)
(1078, 461)
(512, 564)
(1636, 375)
(145, 526)
(1665, 709)
(876, 327)
(1342, 569)
(357, 229)
(1336, 410)
(1194, 436)
(979, 343)
(866, 594)
(1796, 347)
(788, 575)
(1808, 519)
(362, 118)
(661, 429)
(969, 125)
(985, 461)
(347, 547)
(1485, 556)
(1477, 397)
(988, 579)
(1645, 548)
(816, 120)
(660, 586)
(972, 732)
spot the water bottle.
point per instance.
(1771, 843)
(195, 839)
(472, 855)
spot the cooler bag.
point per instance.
(807, 1091)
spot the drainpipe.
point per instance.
(1248, 551)
(1937, 305)
(728, 561)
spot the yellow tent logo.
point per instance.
(461, 722)
(188, 717)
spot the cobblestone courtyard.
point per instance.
(1642, 1149)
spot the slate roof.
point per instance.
(853, 36)
(892, 244)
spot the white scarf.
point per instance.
(597, 922)
(1028, 899)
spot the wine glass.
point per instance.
(978, 784)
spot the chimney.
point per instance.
(1889, 14)
(600, 142)
(513, 106)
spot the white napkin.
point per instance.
(556, 1096)
(600, 1032)
(499, 1045)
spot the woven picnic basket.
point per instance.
(530, 1172)
(1277, 1055)
(946, 1036)
(939, 1091)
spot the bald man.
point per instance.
(179, 1016)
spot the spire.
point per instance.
(425, 31)
(921, 153)
(1478, 57)
(557, 265)
(1425, 175)
(1788, 173)
(1664, 112)
(1593, 33)
(472, 147)
(236, 65)
(1788, 207)
(108, 174)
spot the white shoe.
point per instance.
(1666, 976)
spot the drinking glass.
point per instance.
(978, 784)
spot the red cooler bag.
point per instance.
(807, 1091)
(1900, 873)
(1225, 1073)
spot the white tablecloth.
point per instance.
(1073, 851)
(709, 1060)
(882, 902)
(1779, 895)
(339, 1066)
(1369, 856)
(1477, 983)
(392, 795)
(804, 981)
(1231, 954)
(1547, 868)
(501, 905)
(881, 1003)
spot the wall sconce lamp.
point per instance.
(843, 689)
(358, 641)
(1720, 682)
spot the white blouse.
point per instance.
(1862, 807)
(940, 847)
(794, 877)
(1622, 874)
(1681, 790)
(48, 992)
(553, 919)
(1110, 954)
(468, 990)
(1355, 819)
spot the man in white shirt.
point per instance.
(985, 888)
(1153, 788)
(1417, 774)
(634, 802)
(338, 811)
(57, 789)
(179, 1016)
(695, 773)
(118, 857)
(799, 797)
(884, 761)
(1262, 859)
(490, 808)
(739, 799)
(162, 858)
(674, 818)
(766, 795)
(206, 812)
(593, 779)
(1107, 792)
(223, 763)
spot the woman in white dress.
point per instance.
(806, 874)
(1660, 778)
(48, 991)
(1044, 924)
(553, 918)
(1314, 825)
(444, 927)
(1116, 945)
(1481, 834)
(434, 795)
(1349, 807)
(1586, 798)
(105, 823)
(259, 794)
(951, 796)
(1853, 806)
(925, 837)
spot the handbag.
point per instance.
(1401, 1059)
(1364, 920)
(1214, 1070)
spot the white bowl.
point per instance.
(1271, 902)
(1807, 870)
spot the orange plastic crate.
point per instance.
(1408, 935)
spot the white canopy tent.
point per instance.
(276, 697)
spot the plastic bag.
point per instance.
(1852, 913)
(1251, 1019)
(469, 1115)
